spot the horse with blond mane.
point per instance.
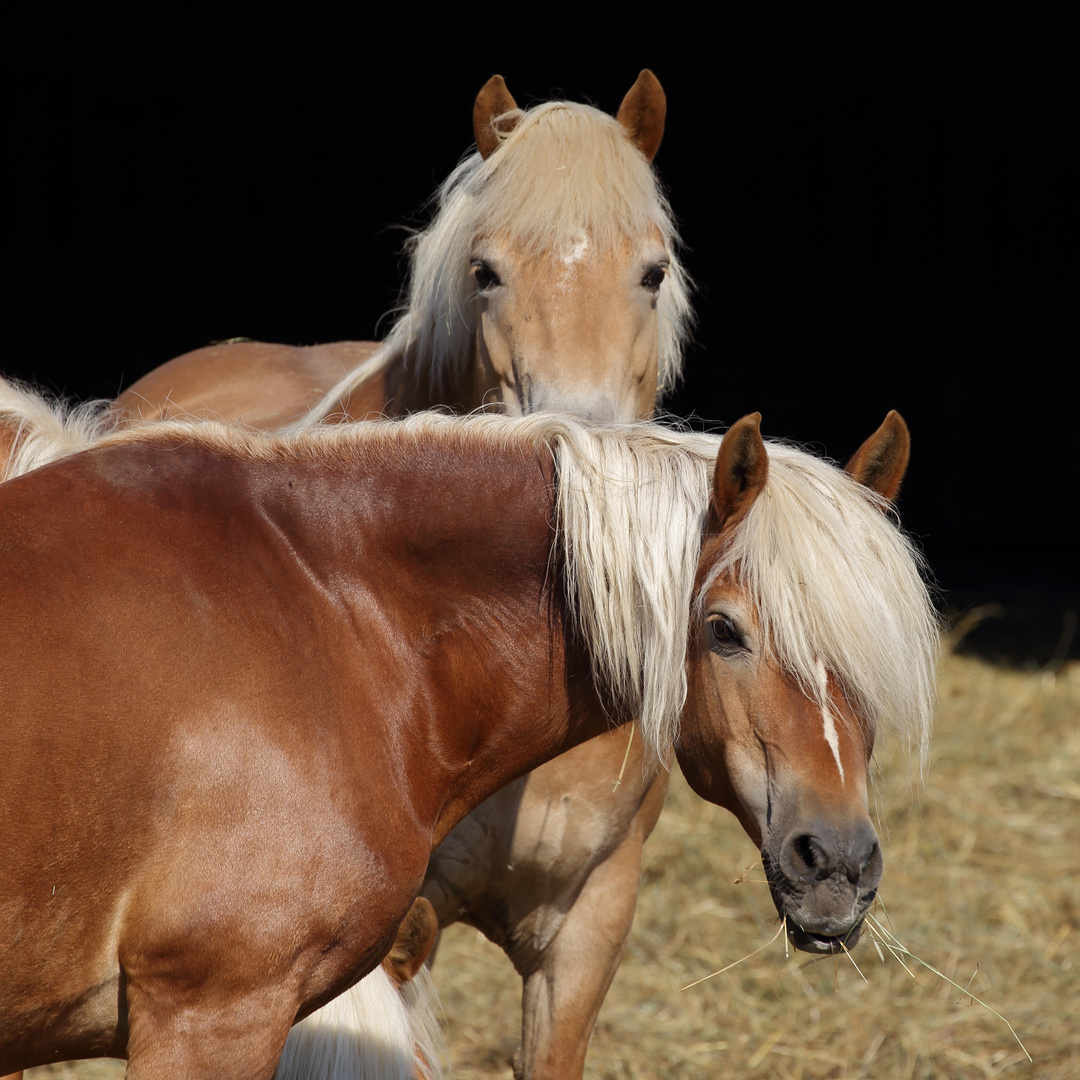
(549, 278)
(259, 678)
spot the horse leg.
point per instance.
(174, 1035)
(563, 993)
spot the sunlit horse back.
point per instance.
(257, 679)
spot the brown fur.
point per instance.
(881, 461)
(259, 687)
(493, 101)
(415, 939)
(253, 382)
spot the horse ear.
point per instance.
(413, 944)
(881, 461)
(492, 102)
(742, 467)
(642, 113)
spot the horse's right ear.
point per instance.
(642, 113)
(742, 467)
(492, 102)
(881, 461)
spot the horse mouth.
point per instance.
(823, 944)
(823, 926)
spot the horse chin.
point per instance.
(823, 944)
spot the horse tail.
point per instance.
(373, 1031)
(36, 429)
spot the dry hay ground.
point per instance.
(982, 880)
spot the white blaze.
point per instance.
(827, 721)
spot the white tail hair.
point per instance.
(373, 1031)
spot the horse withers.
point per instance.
(250, 682)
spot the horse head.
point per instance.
(551, 262)
(780, 721)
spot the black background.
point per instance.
(877, 211)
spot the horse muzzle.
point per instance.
(823, 881)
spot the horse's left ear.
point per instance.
(642, 113)
(881, 461)
(413, 944)
(493, 101)
(742, 467)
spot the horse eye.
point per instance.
(724, 635)
(486, 278)
(654, 277)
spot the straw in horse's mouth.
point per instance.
(823, 944)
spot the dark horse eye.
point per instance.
(724, 635)
(654, 277)
(486, 278)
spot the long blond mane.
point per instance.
(36, 428)
(565, 168)
(833, 577)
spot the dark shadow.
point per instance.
(1012, 606)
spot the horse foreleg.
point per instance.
(562, 995)
(241, 1039)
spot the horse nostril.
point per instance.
(870, 866)
(856, 857)
(809, 857)
(804, 848)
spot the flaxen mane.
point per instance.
(35, 428)
(563, 170)
(834, 579)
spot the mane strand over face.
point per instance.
(562, 170)
(837, 583)
(632, 503)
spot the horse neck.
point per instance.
(457, 584)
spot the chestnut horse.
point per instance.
(250, 682)
(556, 251)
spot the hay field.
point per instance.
(982, 881)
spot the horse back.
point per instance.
(260, 384)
